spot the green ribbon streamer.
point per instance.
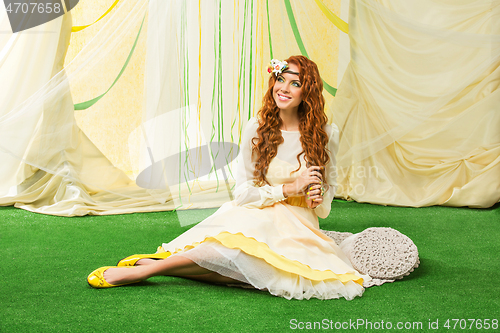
(87, 104)
(300, 43)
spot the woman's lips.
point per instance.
(283, 97)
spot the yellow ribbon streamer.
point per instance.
(337, 21)
(81, 27)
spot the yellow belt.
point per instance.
(296, 201)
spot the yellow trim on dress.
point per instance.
(297, 201)
(261, 250)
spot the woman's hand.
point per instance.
(300, 186)
(313, 196)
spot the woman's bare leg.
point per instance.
(145, 261)
(171, 266)
(213, 278)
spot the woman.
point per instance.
(268, 236)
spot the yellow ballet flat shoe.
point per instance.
(96, 279)
(132, 260)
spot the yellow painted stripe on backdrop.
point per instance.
(81, 27)
(337, 21)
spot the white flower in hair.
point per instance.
(277, 66)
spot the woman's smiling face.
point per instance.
(287, 90)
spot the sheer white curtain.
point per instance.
(198, 96)
(416, 107)
(418, 104)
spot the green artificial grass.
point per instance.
(45, 261)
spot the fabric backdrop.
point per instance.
(418, 107)
(143, 111)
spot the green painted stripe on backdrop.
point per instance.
(87, 104)
(300, 43)
(295, 29)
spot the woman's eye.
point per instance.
(281, 79)
(296, 84)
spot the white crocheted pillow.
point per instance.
(337, 236)
(384, 254)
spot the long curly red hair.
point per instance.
(312, 120)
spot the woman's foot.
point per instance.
(135, 258)
(121, 275)
(145, 261)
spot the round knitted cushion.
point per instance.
(382, 253)
(337, 236)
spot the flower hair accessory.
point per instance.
(277, 67)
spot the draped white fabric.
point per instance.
(192, 77)
(416, 110)
(48, 164)
(418, 105)
(194, 119)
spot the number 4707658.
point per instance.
(34, 7)
(463, 324)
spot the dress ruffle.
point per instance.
(277, 248)
(236, 264)
(262, 251)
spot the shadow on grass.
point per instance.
(421, 272)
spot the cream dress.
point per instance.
(271, 242)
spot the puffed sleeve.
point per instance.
(323, 210)
(246, 193)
